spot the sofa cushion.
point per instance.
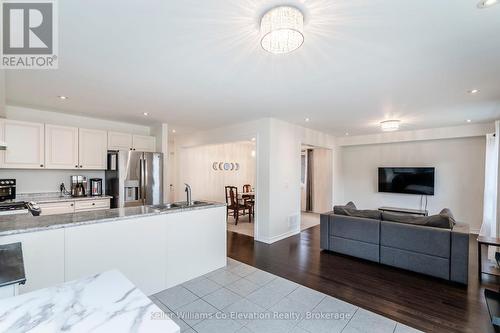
(350, 210)
(356, 228)
(446, 213)
(414, 238)
(341, 210)
(436, 221)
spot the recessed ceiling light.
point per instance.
(174, 131)
(390, 125)
(62, 97)
(281, 30)
(486, 3)
(146, 114)
(253, 139)
(469, 120)
(473, 91)
(307, 120)
(347, 133)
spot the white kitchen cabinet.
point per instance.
(88, 205)
(61, 147)
(92, 149)
(53, 208)
(43, 254)
(25, 145)
(125, 141)
(64, 207)
(136, 249)
(144, 143)
(119, 141)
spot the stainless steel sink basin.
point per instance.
(182, 204)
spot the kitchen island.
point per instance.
(105, 302)
(156, 247)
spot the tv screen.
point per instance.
(406, 180)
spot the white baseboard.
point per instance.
(270, 240)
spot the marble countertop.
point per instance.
(55, 197)
(11, 265)
(17, 224)
(106, 302)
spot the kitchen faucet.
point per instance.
(188, 195)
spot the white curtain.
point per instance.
(489, 226)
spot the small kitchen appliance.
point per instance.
(96, 187)
(7, 189)
(78, 186)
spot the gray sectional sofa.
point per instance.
(408, 243)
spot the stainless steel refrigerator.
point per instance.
(134, 178)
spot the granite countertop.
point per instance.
(17, 224)
(55, 197)
(11, 265)
(106, 302)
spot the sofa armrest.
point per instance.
(459, 263)
(324, 221)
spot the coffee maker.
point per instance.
(78, 186)
(95, 187)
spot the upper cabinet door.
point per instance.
(93, 149)
(144, 143)
(119, 141)
(25, 145)
(61, 147)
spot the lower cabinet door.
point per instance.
(57, 208)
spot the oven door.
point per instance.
(7, 193)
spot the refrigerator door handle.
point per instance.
(143, 175)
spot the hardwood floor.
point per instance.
(423, 302)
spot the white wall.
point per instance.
(43, 181)
(2, 93)
(459, 164)
(278, 169)
(57, 118)
(207, 183)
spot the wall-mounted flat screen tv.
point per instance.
(406, 180)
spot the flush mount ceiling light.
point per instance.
(281, 30)
(146, 114)
(390, 125)
(473, 91)
(486, 3)
(307, 120)
(62, 97)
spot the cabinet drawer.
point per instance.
(91, 205)
(57, 208)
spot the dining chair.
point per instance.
(250, 199)
(234, 204)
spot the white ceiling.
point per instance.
(198, 64)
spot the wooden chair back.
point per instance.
(231, 195)
(247, 188)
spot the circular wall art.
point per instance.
(225, 166)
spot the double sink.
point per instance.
(182, 204)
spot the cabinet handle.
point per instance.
(130, 148)
(81, 166)
(76, 166)
(93, 204)
(41, 165)
(72, 205)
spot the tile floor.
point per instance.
(240, 298)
